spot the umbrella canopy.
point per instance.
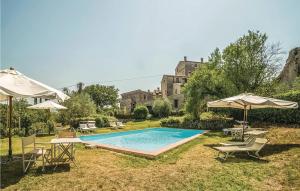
(248, 101)
(14, 83)
(47, 105)
(251, 101)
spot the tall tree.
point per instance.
(102, 95)
(250, 62)
(80, 86)
(247, 65)
(79, 105)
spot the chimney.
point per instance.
(201, 60)
(185, 59)
(157, 88)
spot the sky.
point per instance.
(131, 43)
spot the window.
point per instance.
(175, 91)
(145, 97)
(177, 80)
(176, 103)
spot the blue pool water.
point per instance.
(147, 140)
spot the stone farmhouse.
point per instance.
(133, 98)
(171, 89)
(171, 85)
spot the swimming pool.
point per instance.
(148, 142)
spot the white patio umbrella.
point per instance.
(248, 101)
(47, 105)
(15, 84)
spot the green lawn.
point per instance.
(191, 166)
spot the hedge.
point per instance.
(207, 121)
(170, 122)
(285, 116)
(100, 120)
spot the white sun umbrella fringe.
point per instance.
(15, 84)
(247, 101)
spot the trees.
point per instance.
(162, 108)
(250, 62)
(79, 105)
(102, 95)
(79, 86)
(206, 83)
(140, 112)
(247, 65)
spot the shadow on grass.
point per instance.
(12, 173)
(271, 149)
(268, 150)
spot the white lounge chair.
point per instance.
(83, 128)
(120, 124)
(92, 126)
(254, 146)
(113, 125)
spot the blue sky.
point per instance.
(62, 42)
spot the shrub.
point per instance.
(50, 126)
(102, 121)
(170, 122)
(79, 105)
(140, 112)
(213, 121)
(189, 121)
(38, 127)
(180, 112)
(161, 108)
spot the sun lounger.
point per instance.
(92, 126)
(83, 128)
(120, 124)
(254, 147)
(238, 143)
(113, 125)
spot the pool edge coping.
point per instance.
(146, 154)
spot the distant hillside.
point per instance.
(291, 69)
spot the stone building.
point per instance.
(171, 85)
(130, 100)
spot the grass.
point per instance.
(191, 166)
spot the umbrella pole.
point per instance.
(244, 123)
(9, 127)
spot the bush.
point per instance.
(190, 122)
(38, 127)
(102, 121)
(140, 112)
(79, 105)
(170, 122)
(50, 126)
(213, 121)
(180, 112)
(123, 116)
(161, 108)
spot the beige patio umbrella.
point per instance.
(15, 84)
(47, 105)
(248, 101)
